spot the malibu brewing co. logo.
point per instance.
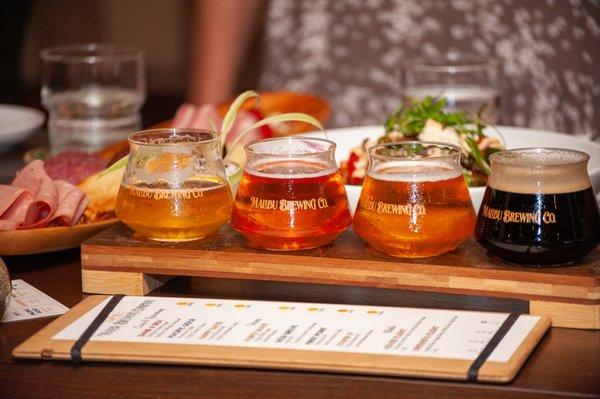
(508, 216)
(393, 209)
(285, 205)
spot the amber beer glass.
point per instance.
(414, 201)
(539, 207)
(174, 187)
(291, 195)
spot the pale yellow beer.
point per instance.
(174, 187)
(199, 208)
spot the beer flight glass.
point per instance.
(539, 207)
(175, 187)
(414, 202)
(291, 195)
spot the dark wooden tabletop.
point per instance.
(565, 364)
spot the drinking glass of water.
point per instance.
(93, 93)
(469, 83)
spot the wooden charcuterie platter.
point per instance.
(116, 262)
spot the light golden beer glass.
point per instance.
(174, 187)
(414, 201)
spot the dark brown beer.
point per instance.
(539, 208)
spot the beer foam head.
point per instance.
(413, 170)
(539, 170)
(288, 168)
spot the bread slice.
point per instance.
(102, 194)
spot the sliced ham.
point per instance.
(33, 178)
(33, 200)
(42, 208)
(71, 204)
(14, 202)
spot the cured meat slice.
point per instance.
(33, 178)
(34, 200)
(14, 202)
(73, 166)
(71, 204)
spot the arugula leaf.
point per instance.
(410, 122)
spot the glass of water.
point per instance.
(93, 93)
(469, 83)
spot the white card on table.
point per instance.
(27, 302)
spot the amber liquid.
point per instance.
(414, 219)
(277, 210)
(200, 207)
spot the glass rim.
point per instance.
(498, 157)
(464, 63)
(456, 150)
(133, 137)
(251, 151)
(91, 53)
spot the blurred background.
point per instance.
(159, 27)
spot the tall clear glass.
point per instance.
(93, 94)
(291, 195)
(175, 187)
(414, 202)
(469, 83)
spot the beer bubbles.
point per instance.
(291, 195)
(414, 202)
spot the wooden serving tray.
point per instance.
(114, 262)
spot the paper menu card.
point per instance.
(430, 333)
(27, 302)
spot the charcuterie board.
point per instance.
(114, 261)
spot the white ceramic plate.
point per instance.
(17, 123)
(514, 137)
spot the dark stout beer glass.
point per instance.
(539, 207)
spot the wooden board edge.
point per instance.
(39, 345)
(127, 283)
(568, 315)
(498, 372)
(526, 275)
(232, 267)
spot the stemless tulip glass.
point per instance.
(291, 195)
(414, 201)
(539, 207)
(174, 187)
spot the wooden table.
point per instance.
(566, 363)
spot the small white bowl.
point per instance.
(17, 123)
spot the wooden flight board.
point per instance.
(50, 343)
(115, 262)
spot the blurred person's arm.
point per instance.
(220, 36)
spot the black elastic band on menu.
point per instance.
(491, 345)
(87, 334)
